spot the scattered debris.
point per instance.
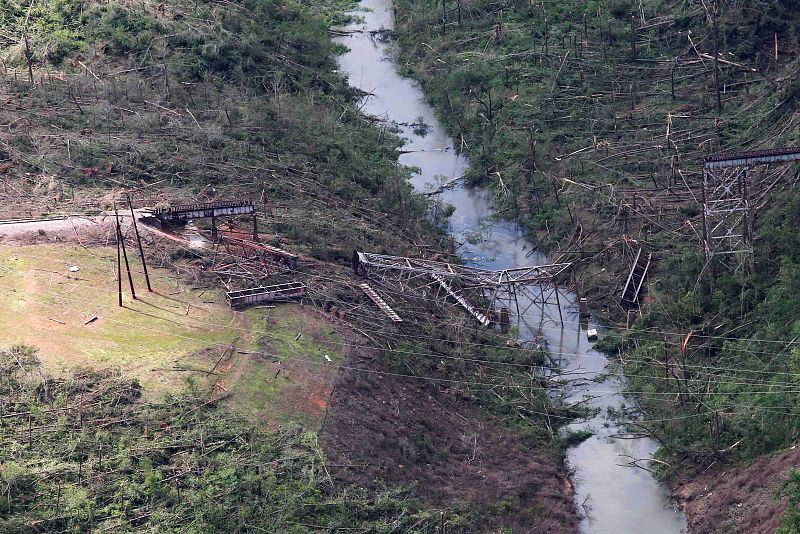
(380, 303)
(256, 295)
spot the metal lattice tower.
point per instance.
(732, 195)
(465, 284)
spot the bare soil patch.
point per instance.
(735, 499)
(289, 379)
(383, 428)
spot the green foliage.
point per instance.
(123, 30)
(96, 458)
(744, 29)
(265, 113)
(574, 438)
(791, 519)
(515, 394)
(540, 116)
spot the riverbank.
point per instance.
(612, 497)
(491, 457)
(738, 498)
(591, 127)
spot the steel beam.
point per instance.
(458, 281)
(470, 276)
(752, 157)
(380, 303)
(204, 210)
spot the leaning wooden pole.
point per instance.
(119, 265)
(558, 303)
(715, 42)
(124, 253)
(139, 244)
(28, 55)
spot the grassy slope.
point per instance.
(48, 306)
(165, 336)
(599, 118)
(87, 455)
(292, 379)
(195, 106)
(195, 96)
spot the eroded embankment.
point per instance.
(737, 499)
(389, 429)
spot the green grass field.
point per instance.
(51, 308)
(166, 336)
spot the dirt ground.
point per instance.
(289, 379)
(404, 431)
(374, 427)
(737, 499)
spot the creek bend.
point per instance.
(619, 499)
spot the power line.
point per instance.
(541, 328)
(562, 371)
(539, 388)
(436, 355)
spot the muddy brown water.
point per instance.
(610, 496)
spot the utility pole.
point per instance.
(546, 38)
(585, 32)
(715, 24)
(139, 243)
(124, 253)
(255, 226)
(28, 55)
(119, 266)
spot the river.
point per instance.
(619, 499)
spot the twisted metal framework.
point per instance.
(727, 219)
(729, 202)
(371, 265)
(537, 283)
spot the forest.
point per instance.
(103, 426)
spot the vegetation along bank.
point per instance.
(592, 122)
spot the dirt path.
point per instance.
(81, 229)
(70, 225)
